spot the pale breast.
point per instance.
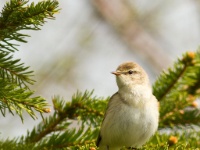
(126, 125)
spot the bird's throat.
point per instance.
(136, 95)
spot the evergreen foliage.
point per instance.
(176, 89)
(15, 77)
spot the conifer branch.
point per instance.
(178, 88)
(70, 138)
(77, 109)
(56, 131)
(13, 71)
(17, 15)
(183, 118)
(187, 140)
(19, 99)
(168, 79)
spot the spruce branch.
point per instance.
(177, 88)
(17, 16)
(70, 138)
(187, 140)
(168, 79)
(87, 108)
(19, 99)
(13, 71)
(183, 118)
(14, 145)
(56, 132)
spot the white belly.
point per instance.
(125, 125)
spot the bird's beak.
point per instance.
(116, 73)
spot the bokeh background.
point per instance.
(89, 38)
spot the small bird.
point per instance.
(132, 114)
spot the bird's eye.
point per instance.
(130, 71)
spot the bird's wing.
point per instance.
(98, 140)
(99, 137)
